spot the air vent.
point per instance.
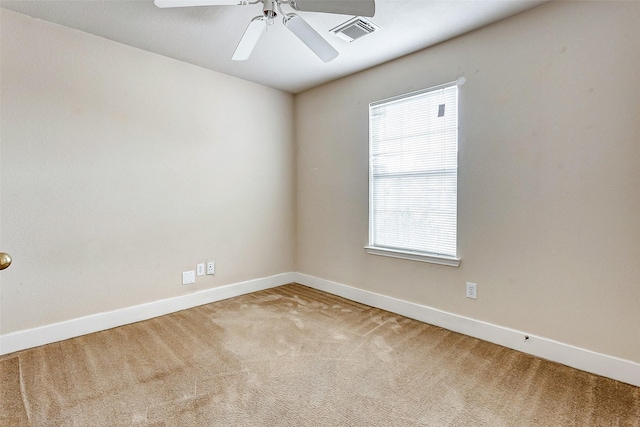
(354, 29)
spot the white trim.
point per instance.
(414, 256)
(47, 334)
(579, 358)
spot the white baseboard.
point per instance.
(47, 334)
(579, 358)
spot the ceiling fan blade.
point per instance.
(343, 7)
(311, 38)
(250, 39)
(188, 3)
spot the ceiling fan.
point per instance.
(297, 25)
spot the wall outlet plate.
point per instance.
(200, 269)
(472, 290)
(211, 267)
(188, 277)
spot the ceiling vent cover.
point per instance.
(354, 29)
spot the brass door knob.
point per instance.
(5, 260)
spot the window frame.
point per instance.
(413, 255)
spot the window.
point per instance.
(413, 175)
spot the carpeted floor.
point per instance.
(293, 356)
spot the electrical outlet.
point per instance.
(472, 290)
(211, 267)
(188, 277)
(200, 269)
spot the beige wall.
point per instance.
(549, 176)
(120, 169)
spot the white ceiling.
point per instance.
(207, 36)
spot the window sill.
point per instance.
(414, 256)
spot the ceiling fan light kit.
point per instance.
(298, 26)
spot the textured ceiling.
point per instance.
(207, 36)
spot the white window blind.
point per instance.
(413, 172)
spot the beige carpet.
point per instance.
(293, 356)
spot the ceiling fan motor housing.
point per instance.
(269, 9)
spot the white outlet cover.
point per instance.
(200, 269)
(188, 277)
(472, 290)
(211, 267)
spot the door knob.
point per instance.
(5, 260)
